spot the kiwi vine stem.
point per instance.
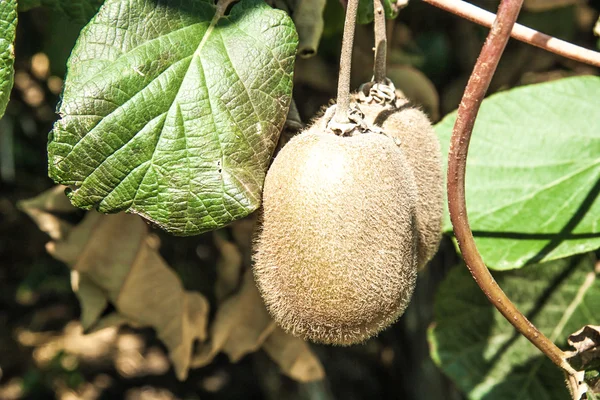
(380, 42)
(522, 33)
(475, 91)
(343, 92)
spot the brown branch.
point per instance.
(520, 32)
(380, 42)
(343, 94)
(457, 159)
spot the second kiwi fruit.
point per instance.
(416, 137)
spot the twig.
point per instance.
(520, 32)
(380, 42)
(457, 159)
(343, 94)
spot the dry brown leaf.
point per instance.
(116, 261)
(586, 342)
(120, 259)
(92, 299)
(51, 200)
(229, 267)
(294, 356)
(241, 325)
(112, 320)
(68, 251)
(243, 231)
(42, 207)
(586, 338)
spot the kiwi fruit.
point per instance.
(416, 137)
(335, 255)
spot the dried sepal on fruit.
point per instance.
(414, 134)
(335, 258)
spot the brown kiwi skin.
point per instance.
(335, 257)
(421, 147)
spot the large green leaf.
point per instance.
(8, 28)
(77, 10)
(533, 172)
(173, 113)
(481, 351)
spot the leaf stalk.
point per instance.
(379, 67)
(343, 93)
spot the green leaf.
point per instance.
(8, 28)
(173, 113)
(77, 10)
(481, 351)
(533, 173)
(366, 10)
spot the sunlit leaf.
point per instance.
(533, 172)
(172, 112)
(8, 28)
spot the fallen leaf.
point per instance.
(586, 342)
(294, 356)
(243, 229)
(241, 325)
(68, 251)
(41, 210)
(92, 299)
(585, 339)
(229, 267)
(115, 261)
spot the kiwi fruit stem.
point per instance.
(379, 65)
(343, 94)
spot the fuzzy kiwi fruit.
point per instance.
(421, 147)
(335, 257)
